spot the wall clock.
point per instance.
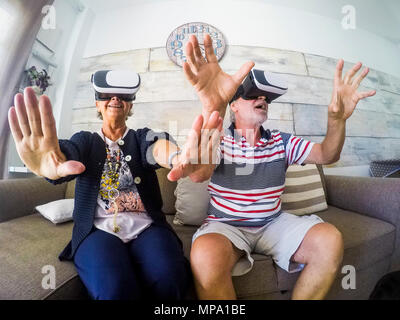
(177, 40)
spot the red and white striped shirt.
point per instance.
(246, 186)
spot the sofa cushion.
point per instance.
(192, 201)
(260, 281)
(167, 191)
(366, 241)
(28, 244)
(70, 189)
(19, 197)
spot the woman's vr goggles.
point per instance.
(115, 83)
(261, 83)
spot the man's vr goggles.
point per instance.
(261, 83)
(115, 83)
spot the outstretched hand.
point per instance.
(214, 87)
(345, 96)
(34, 131)
(198, 156)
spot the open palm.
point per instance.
(345, 95)
(200, 149)
(33, 129)
(214, 87)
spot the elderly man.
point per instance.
(245, 213)
(121, 245)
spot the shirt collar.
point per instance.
(109, 141)
(265, 134)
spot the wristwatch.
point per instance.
(171, 156)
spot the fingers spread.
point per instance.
(190, 76)
(220, 124)
(14, 125)
(357, 81)
(47, 119)
(22, 115)
(197, 124)
(209, 50)
(192, 142)
(243, 72)
(213, 145)
(212, 122)
(338, 72)
(349, 74)
(366, 94)
(32, 111)
(191, 59)
(197, 52)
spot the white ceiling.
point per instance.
(101, 5)
(379, 17)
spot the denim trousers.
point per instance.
(152, 266)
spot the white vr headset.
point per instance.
(115, 83)
(261, 83)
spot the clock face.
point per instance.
(177, 40)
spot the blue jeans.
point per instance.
(151, 266)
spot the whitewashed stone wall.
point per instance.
(167, 102)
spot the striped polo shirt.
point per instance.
(247, 184)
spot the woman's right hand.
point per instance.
(34, 131)
(199, 154)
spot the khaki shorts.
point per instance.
(279, 238)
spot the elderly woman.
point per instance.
(121, 245)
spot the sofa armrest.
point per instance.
(19, 197)
(375, 197)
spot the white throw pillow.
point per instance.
(58, 211)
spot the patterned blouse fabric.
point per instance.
(132, 217)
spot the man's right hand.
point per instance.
(34, 131)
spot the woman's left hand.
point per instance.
(199, 153)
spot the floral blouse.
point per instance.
(132, 217)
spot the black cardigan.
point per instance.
(89, 148)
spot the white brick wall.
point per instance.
(166, 101)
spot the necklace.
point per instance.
(110, 182)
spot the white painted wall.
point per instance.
(312, 26)
(73, 22)
(353, 171)
(66, 87)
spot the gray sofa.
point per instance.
(365, 210)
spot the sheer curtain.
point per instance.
(20, 21)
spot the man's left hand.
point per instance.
(345, 96)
